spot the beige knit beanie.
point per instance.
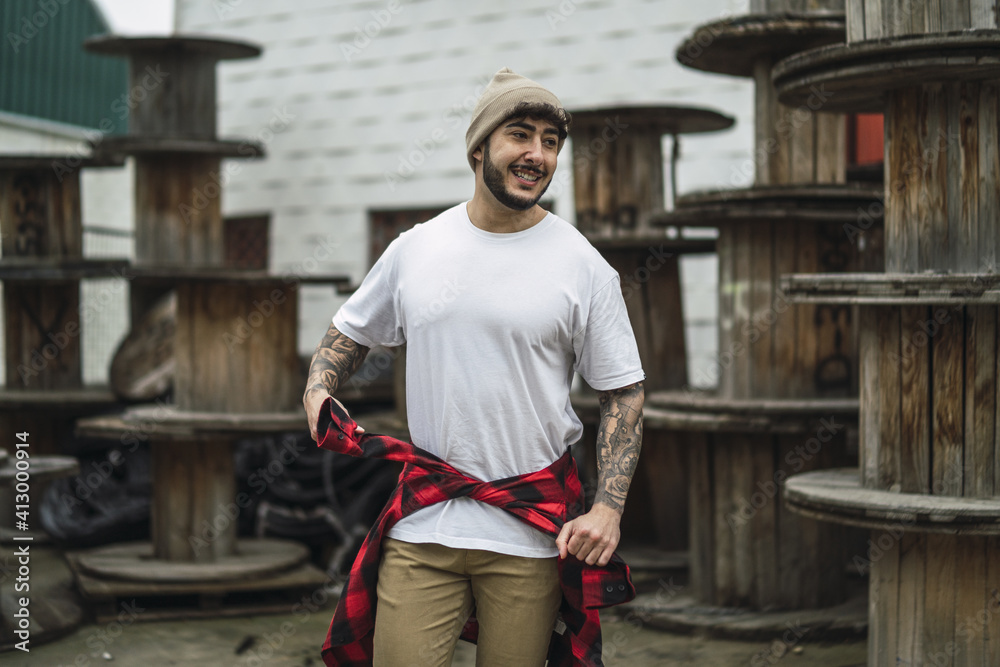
(498, 102)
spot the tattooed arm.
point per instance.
(336, 359)
(594, 536)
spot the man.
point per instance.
(499, 302)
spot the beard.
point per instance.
(494, 178)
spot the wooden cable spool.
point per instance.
(928, 330)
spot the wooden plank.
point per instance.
(662, 296)
(993, 601)
(963, 200)
(665, 469)
(947, 384)
(583, 180)
(892, 12)
(889, 368)
(935, 149)
(912, 569)
(762, 315)
(807, 324)
(744, 486)
(802, 143)
(918, 17)
(884, 585)
(933, 20)
(988, 117)
(902, 220)
(869, 427)
(855, 10)
(899, 241)
(873, 19)
(831, 155)
(941, 579)
(970, 557)
(983, 14)
(727, 305)
(725, 507)
(765, 122)
(742, 300)
(980, 403)
(765, 530)
(915, 422)
(956, 15)
(702, 516)
(788, 530)
(787, 382)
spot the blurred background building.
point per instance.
(362, 108)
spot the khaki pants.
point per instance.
(426, 593)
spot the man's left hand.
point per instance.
(591, 537)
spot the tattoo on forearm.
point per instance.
(619, 439)
(337, 357)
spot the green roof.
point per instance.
(44, 71)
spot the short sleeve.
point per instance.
(370, 317)
(606, 353)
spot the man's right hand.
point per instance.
(313, 402)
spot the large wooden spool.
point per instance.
(618, 180)
(235, 349)
(42, 245)
(786, 374)
(927, 483)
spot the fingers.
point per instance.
(563, 538)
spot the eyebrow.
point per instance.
(528, 126)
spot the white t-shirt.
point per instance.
(495, 326)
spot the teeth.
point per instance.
(527, 177)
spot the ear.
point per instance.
(478, 153)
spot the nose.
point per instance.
(533, 152)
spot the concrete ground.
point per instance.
(293, 640)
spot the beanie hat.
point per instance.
(497, 103)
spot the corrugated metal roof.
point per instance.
(44, 71)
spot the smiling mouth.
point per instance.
(529, 176)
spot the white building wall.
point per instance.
(355, 121)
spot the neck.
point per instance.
(488, 214)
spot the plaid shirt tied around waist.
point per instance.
(544, 499)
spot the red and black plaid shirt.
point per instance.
(545, 499)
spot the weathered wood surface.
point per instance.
(895, 18)
(837, 495)
(40, 213)
(236, 348)
(775, 348)
(821, 7)
(162, 147)
(135, 561)
(171, 274)
(708, 402)
(795, 144)
(659, 119)
(42, 335)
(928, 377)
(651, 286)
(801, 204)
(192, 480)
(172, 81)
(933, 600)
(893, 288)
(60, 270)
(746, 549)
(199, 599)
(178, 211)
(861, 76)
(142, 367)
(733, 46)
